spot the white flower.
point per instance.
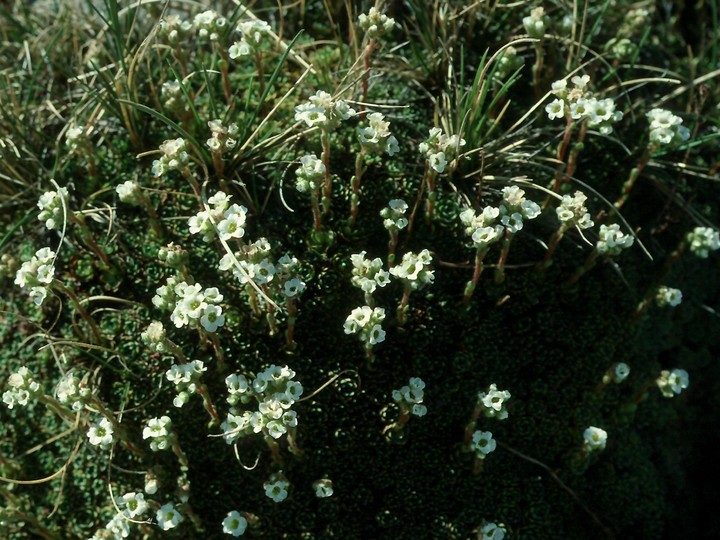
(555, 109)
(595, 438)
(492, 531)
(620, 372)
(323, 488)
(212, 318)
(101, 434)
(494, 402)
(438, 161)
(293, 287)
(167, 517)
(482, 444)
(133, 504)
(277, 490)
(234, 524)
(673, 382)
(667, 296)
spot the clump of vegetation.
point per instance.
(243, 254)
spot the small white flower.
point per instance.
(134, 504)
(323, 488)
(277, 491)
(293, 287)
(620, 372)
(234, 524)
(101, 434)
(482, 444)
(212, 318)
(492, 531)
(167, 517)
(595, 438)
(555, 109)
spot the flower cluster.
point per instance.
(37, 274)
(73, 391)
(53, 205)
(23, 387)
(594, 438)
(75, 137)
(129, 192)
(116, 529)
(376, 136)
(414, 270)
(173, 256)
(222, 138)
(173, 29)
(514, 208)
(612, 240)
(253, 34)
(394, 215)
(276, 488)
(191, 304)
(507, 64)
(101, 434)
(572, 211)
(482, 444)
(274, 391)
(672, 382)
(375, 24)
(172, 97)
(493, 402)
(174, 156)
(536, 23)
(154, 337)
(439, 149)
(229, 219)
(322, 111)
(666, 128)
(667, 296)
(410, 397)
(703, 240)
(234, 524)
(366, 322)
(482, 228)
(159, 431)
(310, 174)
(579, 104)
(368, 275)
(209, 25)
(185, 377)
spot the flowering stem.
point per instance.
(505, 250)
(537, 68)
(479, 267)
(178, 451)
(261, 75)
(561, 151)
(421, 191)
(552, 245)
(325, 141)
(89, 240)
(589, 263)
(154, 220)
(291, 318)
(355, 196)
(193, 182)
(392, 245)
(219, 354)
(61, 411)
(274, 449)
(367, 54)
(430, 175)
(207, 401)
(634, 174)
(225, 74)
(84, 314)
(317, 222)
(402, 308)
